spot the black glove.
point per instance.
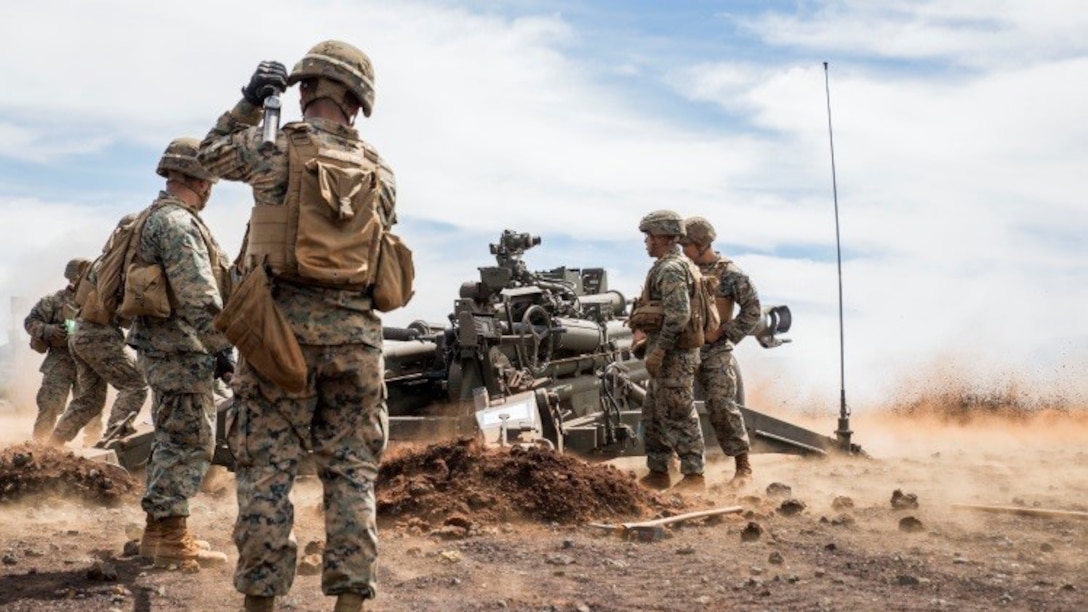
(269, 78)
(224, 364)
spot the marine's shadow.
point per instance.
(97, 581)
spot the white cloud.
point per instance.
(39, 145)
(939, 180)
(983, 34)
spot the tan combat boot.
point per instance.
(743, 474)
(177, 546)
(692, 483)
(349, 602)
(656, 480)
(149, 541)
(260, 603)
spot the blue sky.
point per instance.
(958, 128)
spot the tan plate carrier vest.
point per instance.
(329, 230)
(649, 315)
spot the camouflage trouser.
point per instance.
(717, 375)
(183, 413)
(101, 359)
(670, 423)
(341, 416)
(53, 395)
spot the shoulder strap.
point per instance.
(133, 242)
(209, 242)
(299, 142)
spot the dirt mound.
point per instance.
(462, 482)
(30, 469)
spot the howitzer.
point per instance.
(545, 357)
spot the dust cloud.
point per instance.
(953, 432)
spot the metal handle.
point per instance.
(271, 123)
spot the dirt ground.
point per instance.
(459, 532)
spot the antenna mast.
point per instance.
(843, 432)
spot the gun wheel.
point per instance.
(536, 339)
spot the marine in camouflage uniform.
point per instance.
(101, 359)
(46, 326)
(341, 415)
(669, 420)
(178, 353)
(717, 373)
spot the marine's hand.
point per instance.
(638, 344)
(224, 365)
(653, 362)
(769, 341)
(57, 335)
(268, 78)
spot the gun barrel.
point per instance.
(400, 334)
(611, 302)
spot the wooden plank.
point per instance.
(684, 517)
(1039, 512)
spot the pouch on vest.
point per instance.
(145, 292)
(338, 228)
(255, 325)
(395, 275)
(93, 310)
(39, 345)
(647, 316)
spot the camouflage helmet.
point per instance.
(340, 62)
(699, 230)
(662, 223)
(180, 156)
(75, 267)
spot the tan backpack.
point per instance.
(705, 318)
(128, 287)
(99, 300)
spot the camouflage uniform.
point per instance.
(58, 369)
(101, 359)
(669, 419)
(717, 373)
(176, 354)
(341, 416)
